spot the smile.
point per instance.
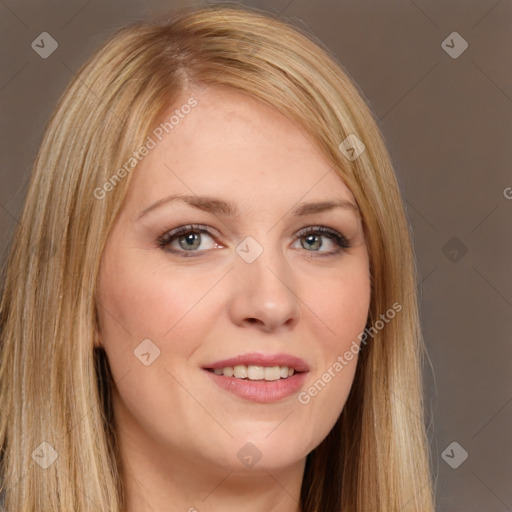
(253, 372)
(259, 377)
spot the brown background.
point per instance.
(447, 123)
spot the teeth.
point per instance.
(273, 373)
(253, 372)
(228, 372)
(240, 372)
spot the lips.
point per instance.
(258, 359)
(256, 389)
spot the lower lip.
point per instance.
(260, 390)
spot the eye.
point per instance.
(313, 240)
(189, 239)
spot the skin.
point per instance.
(179, 434)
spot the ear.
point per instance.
(97, 341)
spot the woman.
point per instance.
(210, 300)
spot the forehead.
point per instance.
(232, 145)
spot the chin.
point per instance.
(253, 451)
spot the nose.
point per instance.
(264, 293)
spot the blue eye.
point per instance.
(190, 238)
(313, 239)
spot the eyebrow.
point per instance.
(228, 209)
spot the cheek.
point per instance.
(341, 314)
(144, 300)
(140, 302)
(341, 303)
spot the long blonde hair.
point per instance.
(55, 387)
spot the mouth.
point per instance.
(255, 372)
(259, 377)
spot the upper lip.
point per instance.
(259, 359)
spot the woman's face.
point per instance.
(253, 287)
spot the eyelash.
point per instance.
(169, 236)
